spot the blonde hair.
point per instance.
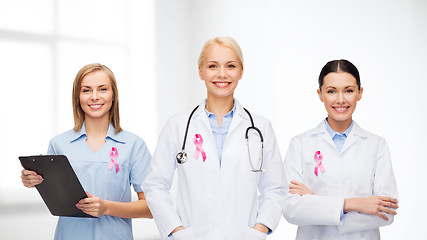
(224, 42)
(78, 113)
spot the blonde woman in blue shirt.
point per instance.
(106, 159)
(341, 178)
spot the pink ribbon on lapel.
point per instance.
(113, 154)
(318, 157)
(198, 141)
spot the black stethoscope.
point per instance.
(181, 157)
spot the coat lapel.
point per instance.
(201, 125)
(239, 115)
(356, 134)
(201, 113)
(321, 130)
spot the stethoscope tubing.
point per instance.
(182, 155)
(186, 129)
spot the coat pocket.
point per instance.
(253, 234)
(185, 234)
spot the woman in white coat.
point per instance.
(341, 176)
(218, 181)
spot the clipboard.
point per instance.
(61, 189)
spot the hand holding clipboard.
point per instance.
(56, 182)
(30, 178)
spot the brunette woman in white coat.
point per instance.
(341, 177)
(218, 181)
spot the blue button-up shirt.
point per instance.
(96, 178)
(220, 132)
(338, 138)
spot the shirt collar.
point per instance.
(110, 134)
(230, 113)
(332, 133)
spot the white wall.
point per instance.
(285, 44)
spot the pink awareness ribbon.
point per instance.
(318, 157)
(198, 141)
(113, 154)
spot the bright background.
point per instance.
(152, 46)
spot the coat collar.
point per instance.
(356, 130)
(356, 134)
(239, 114)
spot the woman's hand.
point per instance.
(30, 178)
(178, 229)
(299, 188)
(260, 227)
(375, 205)
(92, 205)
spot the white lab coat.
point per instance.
(362, 168)
(215, 202)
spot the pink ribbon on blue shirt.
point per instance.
(318, 157)
(113, 154)
(198, 141)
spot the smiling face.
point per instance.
(96, 95)
(340, 94)
(221, 70)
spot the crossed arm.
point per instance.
(374, 205)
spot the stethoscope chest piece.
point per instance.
(181, 157)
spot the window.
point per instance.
(43, 44)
